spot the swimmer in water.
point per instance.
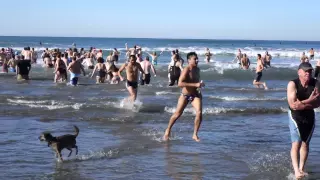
(101, 68)
(115, 74)
(190, 83)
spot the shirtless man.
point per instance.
(88, 61)
(304, 58)
(132, 68)
(99, 54)
(256, 81)
(13, 63)
(146, 66)
(245, 62)
(311, 52)
(27, 54)
(2, 56)
(75, 69)
(190, 83)
(267, 60)
(208, 55)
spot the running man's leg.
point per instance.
(133, 93)
(182, 103)
(197, 105)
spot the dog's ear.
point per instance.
(47, 135)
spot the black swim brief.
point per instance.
(258, 76)
(134, 85)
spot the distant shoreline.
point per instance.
(194, 39)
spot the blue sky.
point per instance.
(207, 19)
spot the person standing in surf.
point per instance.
(304, 58)
(317, 69)
(75, 68)
(311, 52)
(154, 57)
(190, 83)
(132, 69)
(267, 60)
(303, 97)
(208, 55)
(259, 68)
(238, 58)
(245, 62)
(147, 66)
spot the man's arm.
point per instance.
(121, 69)
(293, 102)
(140, 68)
(183, 77)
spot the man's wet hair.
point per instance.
(259, 55)
(133, 56)
(191, 54)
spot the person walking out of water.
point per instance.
(102, 71)
(259, 68)
(304, 58)
(75, 68)
(23, 69)
(132, 69)
(303, 97)
(267, 60)
(174, 69)
(311, 52)
(245, 62)
(208, 55)
(146, 66)
(190, 83)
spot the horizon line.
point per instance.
(208, 39)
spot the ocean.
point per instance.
(244, 133)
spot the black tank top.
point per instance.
(307, 115)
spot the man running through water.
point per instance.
(190, 83)
(303, 97)
(259, 68)
(146, 66)
(132, 69)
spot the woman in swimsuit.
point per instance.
(115, 74)
(101, 68)
(60, 69)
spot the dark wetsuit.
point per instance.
(174, 72)
(102, 73)
(316, 71)
(62, 69)
(302, 122)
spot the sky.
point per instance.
(196, 19)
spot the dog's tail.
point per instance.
(76, 131)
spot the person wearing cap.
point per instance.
(303, 97)
(146, 66)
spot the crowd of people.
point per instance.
(302, 93)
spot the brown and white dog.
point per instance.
(58, 143)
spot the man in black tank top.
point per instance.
(303, 97)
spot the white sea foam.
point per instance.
(48, 104)
(230, 98)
